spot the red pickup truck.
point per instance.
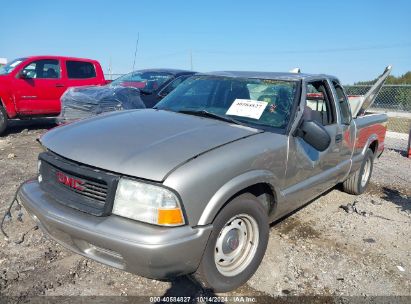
(32, 86)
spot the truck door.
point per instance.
(346, 129)
(38, 88)
(309, 171)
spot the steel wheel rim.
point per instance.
(236, 245)
(366, 173)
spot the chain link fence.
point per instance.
(394, 100)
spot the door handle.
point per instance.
(59, 85)
(338, 137)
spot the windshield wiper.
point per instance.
(204, 113)
(162, 109)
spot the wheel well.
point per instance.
(264, 193)
(374, 146)
(2, 105)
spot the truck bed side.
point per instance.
(370, 132)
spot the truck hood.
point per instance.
(142, 143)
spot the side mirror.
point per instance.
(314, 134)
(23, 74)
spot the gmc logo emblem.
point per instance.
(70, 181)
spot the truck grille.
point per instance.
(87, 188)
(78, 186)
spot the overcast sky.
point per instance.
(353, 40)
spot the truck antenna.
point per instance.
(191, 59)
(109, 68)
(135, 52)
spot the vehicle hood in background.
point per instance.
(142, 143)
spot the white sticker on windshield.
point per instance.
(247, 108)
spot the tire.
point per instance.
(358, 182)
(3, 120)
(239, 226)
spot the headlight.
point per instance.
(147, 203)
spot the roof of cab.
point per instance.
(58, 57)
(269, 75)
(166, 70)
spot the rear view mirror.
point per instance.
(314, 134)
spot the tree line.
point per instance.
(403, 79)
(390, 97)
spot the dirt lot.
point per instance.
(319, 250)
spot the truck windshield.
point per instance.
(255, 102)
(8, 68)
(147, 82)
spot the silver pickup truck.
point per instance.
(191, 186)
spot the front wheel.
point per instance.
(358, 182)
(236, 246)
(3, 120)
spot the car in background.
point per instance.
(32, 86)
(136, 90)
(154, 84)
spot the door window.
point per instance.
(42, 69)
(343, 103)
(80, 69)
(318, 104)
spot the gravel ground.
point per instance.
(320, 250)
(397, 141)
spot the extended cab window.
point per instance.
(80, 69)
(318, 103)
(42, 69)
(343, 103)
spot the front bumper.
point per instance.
(147, 250)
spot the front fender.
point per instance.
(207, 182)
(235, 185)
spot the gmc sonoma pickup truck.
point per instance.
(32, 86)
(191, 186)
